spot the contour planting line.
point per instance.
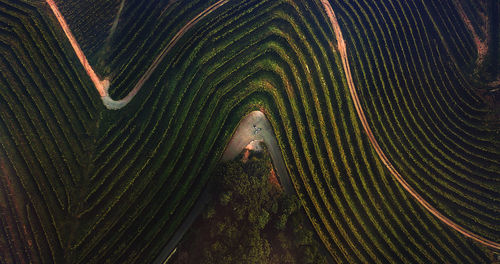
(481, 45)
(253, 126)
(352, 89)
(102, 86)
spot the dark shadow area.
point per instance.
(250, 220)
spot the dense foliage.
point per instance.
(251, 221)
(83, 184)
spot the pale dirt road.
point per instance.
(373, 141)
(102, 86)
(197, 209)
(107, 42)
(245, 133)
(117, 104)
(481, 45)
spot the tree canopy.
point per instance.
(250, 221)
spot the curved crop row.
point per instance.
(82, 184)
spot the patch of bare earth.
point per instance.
(481, 44)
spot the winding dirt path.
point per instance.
(102, 86)
(244, 134)
(373, 141)
(481, 45)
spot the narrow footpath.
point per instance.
(376, 146)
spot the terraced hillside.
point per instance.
(80, 183)
(90, 21)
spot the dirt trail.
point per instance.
(102, 54)
(115, 23)
(373, 141)
(102, 86)
(114, 105)
(256, 127)
(481, 45)
(245, 133)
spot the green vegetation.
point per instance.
(90, 21)
(82, 184)
(250, 220)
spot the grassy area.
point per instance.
(81, 184)
(250, 220)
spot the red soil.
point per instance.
(343, 53)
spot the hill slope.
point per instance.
(83, 184)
